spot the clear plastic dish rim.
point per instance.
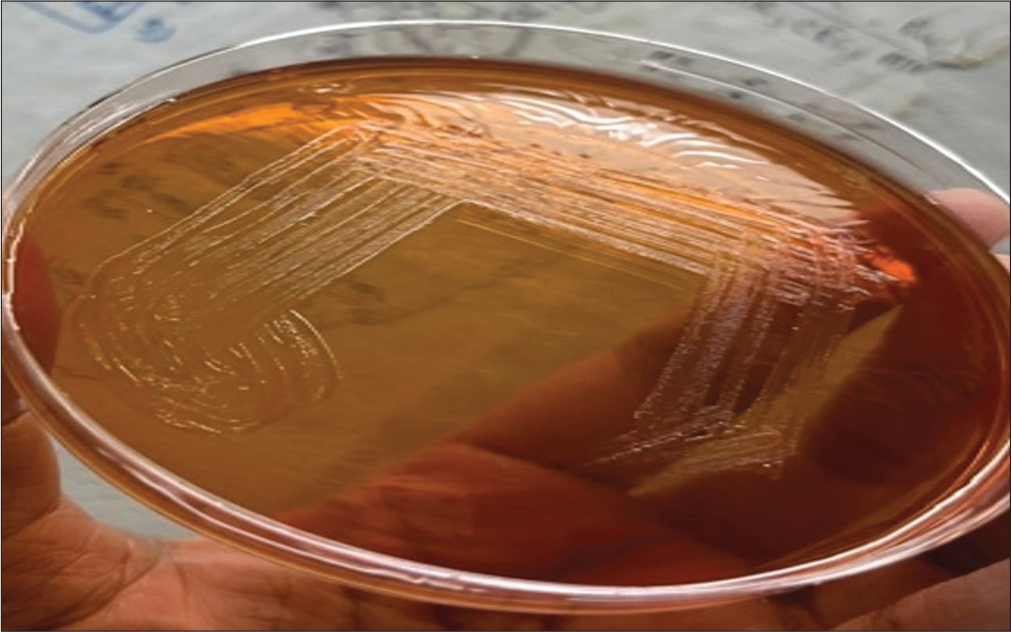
(981, 498)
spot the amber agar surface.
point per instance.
(519, 320)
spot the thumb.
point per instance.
(59, 565)
(30, 477)
(31, 486)
(978, 601)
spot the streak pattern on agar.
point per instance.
(301, 222)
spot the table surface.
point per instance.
(940, 68)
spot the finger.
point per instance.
(566, 418)
(874, 429)
(979, 601)
(985, 215)
(574, 416)
(30, 478)
(34, 303)
(936, 365)
(985, 546)
(464, 507)
(414, 510)
(59, 565)
(830, 604)
(873, 441)
(30, 483)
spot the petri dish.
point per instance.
(527, 318)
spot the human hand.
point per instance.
(63, 569)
